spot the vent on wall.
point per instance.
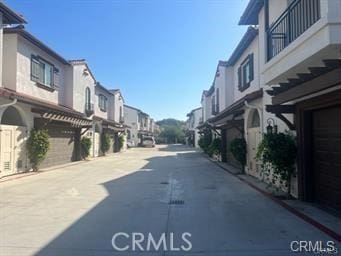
(7, 165)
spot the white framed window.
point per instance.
(102, 102)
(43, 72)
(245, 73)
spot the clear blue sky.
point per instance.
(161, 54)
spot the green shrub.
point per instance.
(278, 152)
(205, 140)
(105, 142)
(37, 146)
(86, 145)
(238, 150)
(215, 147)
(121, 141)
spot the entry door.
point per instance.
(12, 149)
(253, 140)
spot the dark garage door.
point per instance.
(327, 156)
(62, 146)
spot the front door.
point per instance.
(12, 149)
(253, 140)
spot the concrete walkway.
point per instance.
(76, 210)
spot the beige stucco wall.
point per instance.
(116, 102)
(254, 85)
(323, 38)
(9, 69)
(207, 108)
(131, 119)
(77, 86)
(98, 111)
(17, 69)
(24, 83)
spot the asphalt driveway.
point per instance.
(78, 209)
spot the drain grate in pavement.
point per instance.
(164, 182)
(176, 202)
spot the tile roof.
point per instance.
(9, 16)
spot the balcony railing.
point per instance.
(89, 109)
(121, 119)
(215, 109)
(297, 18)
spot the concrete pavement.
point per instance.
(78, 209)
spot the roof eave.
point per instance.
(32, 39)
(244, 43)
(250, 14)
(11, 17)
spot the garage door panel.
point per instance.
(327, 156)
(62, 146)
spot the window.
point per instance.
(245, 73)
(88, 99)
(255, 121)
(43, 72)
(217, 100)
(102, 103)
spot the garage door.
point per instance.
(327, 156)
(62, 146)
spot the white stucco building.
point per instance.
(140, 125)
(287, 77)
(194, 119)
(300, 68)
(41, 89)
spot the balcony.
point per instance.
(215, 109)
(294, 21)
(121, 119)
(89, 109)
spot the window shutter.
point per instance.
(251, 66)
(56, 80)
(217, 101)
(240, 78)
(35, 69)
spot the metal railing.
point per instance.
(89, 108)
(297, 18)
(215, 109)
(121, 119)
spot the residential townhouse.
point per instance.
(141, 125)
(286, 76)
(104, 107)
(192, 131)
(7, 17)
(41, 89)
(34, 83)
(300, 56)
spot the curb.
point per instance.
(289, 208)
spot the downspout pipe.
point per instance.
(9, 104)
(260, 111)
